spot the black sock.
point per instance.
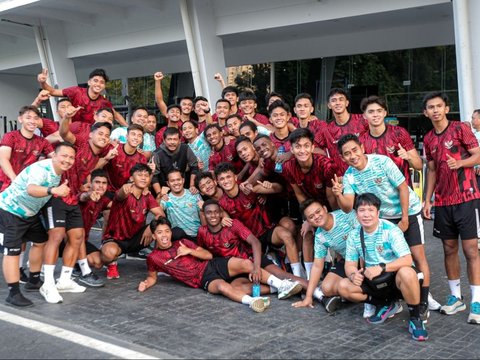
(34, 277)
(424, 290)
(14, 288)
(414, 311)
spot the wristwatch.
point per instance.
(383, 266)
(49, 190)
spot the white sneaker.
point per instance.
(258, 304)
(70, 286)
(50, 293)
(368, 310)
(433, 305)
(289, 288)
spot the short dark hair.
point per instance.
(273, 94)
(373, 99)
(224, 167)
(60, 100)
(174, 106)
(228, 89)
(28, 108)
(223, 101)
(212, 126)
(98, 125)
(278, 104)
(250, 124)
(191, 121)
(160, 221)
(64, 144)
(210, 202)
(241, 139)
(171, 131)
(98, 173)
(305, 204)
(304, 96)
(202, 175)
(107, 109)
(199, 98)
(336, 91)
(139, 108)
(135, 127)
(367, 199)
(261, 136)
(140, 167)
(346, 138)
(233, 116)
(175, 171)
(433, 95)
(247, 95)
(300, 133)
(98, 72)
(186, 98)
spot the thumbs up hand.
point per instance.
(62, 190)
(452, 163)
(402, 153)
(43, 76)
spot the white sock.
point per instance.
(475, 293)
(455, 288)
(308, 268)
(247, 299)
(20, 260)
(48, 271)
(296, 269)
(66, 273)
(83, 263)
(318, 294)
(273, 290)
(274, 281)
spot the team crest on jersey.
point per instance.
(318, 186)
(84, 161)
(448, 144)
(227, 245)
(344, 237)
(229, 157)
(248, 205)
(19, 150)
(390, 149)
(380, 249)
(378, 180)
(35, 152)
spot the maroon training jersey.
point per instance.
(85, 162)
(229, 241)
(227, 153)
(49, 127)
(90, 210)
(128, 216)
(314, 183)
(79, 97)
(188, 269)
(387, 144)
(262, 119)
(24, 152)
(281, 142)
(248, 210)
(452, 186)
(118, 169)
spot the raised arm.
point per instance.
(158, 76)
(42, 79)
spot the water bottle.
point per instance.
(256, 289)
(278, 166)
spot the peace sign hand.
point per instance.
(337, 187)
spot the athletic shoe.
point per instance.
(112, 271)
(399, 309)
(77, 272)
(288, 288)
(452, 306)
(91, 280)
(266, 300)
(69, 286)
(416, 327)
(368, 310)
(474, 316)
(331, 303)
(18, 300)
(50, 293)
(30, 287)
(136, 256)
(383, 314)
(23, 276)
(258, 305)
(433, 305)
(424, 312)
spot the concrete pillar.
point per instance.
(205, 48)
(52, 50)
(467, 46)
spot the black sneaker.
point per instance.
(91, 280)
(76, 272)
(23, 276)
(18, 300)
(136, 256)
(331, 303)
(30, 287)
(424, 313)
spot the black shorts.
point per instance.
(14, 230)
(415, 235)
(265, 262)
(391, 293)
(266, 239)
(338, 268)
(217, 268)
(57, 213)
(454, 220)
(90, 248)
(129, 245)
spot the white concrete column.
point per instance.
(52, 49)
(205, 48)
(467, 38)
